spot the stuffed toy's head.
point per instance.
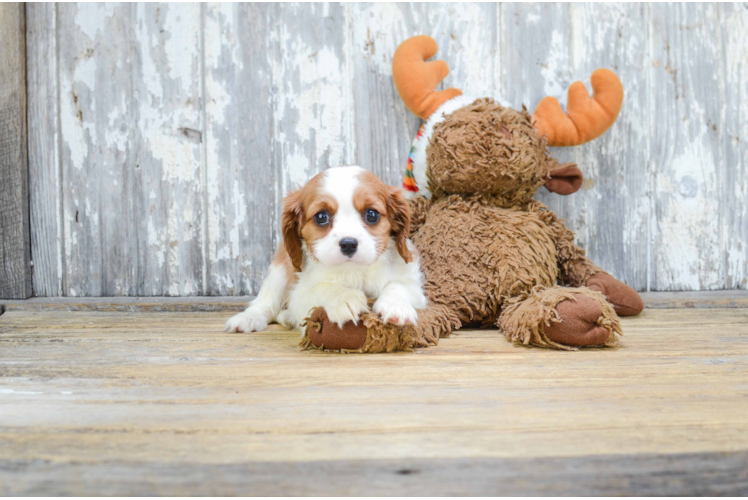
(479, 146)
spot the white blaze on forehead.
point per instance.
(341, 182)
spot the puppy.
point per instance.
(345, 239)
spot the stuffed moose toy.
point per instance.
(493, 256)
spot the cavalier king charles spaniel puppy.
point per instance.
(345, 240)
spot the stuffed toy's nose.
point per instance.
(566, 179)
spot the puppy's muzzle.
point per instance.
(348, 246)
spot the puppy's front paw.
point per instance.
(347, 308)
(245, 322)
(395, 312)
(285, 318)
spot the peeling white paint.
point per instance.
(551, 69)
(131, 103)
(155, 243)
(182, 24)
(309, 110)
(74, 122)
(297, 166)
(92, 17)
(240, 214)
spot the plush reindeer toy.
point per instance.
(491, 254)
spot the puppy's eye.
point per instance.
(371, 216)
(322, 218)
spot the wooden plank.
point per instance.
(95, 399)
(614, 201)
(131, 149)
(687, 118)
(697, 474)
(242, 172)
(707, 299)
(312, 108)
(384, 128)
(45, 181)
(96, 152)
(734, 234)
(544, 65)
(224, 304)
(167, 175)
(719, 299)
(15, 246)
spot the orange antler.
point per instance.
(416, 79)
(586, 117)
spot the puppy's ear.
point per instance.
(398, 212)
(291, 226)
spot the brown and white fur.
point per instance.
(317, 266)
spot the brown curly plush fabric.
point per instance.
(419, 206)
(475, 254)
(527, 318)
(370, 335)
(491, 254)
(485, 148)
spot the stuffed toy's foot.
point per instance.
(577, 325)
(561, 318)
(323, 334)
(625, 300)
(370, 335)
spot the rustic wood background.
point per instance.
(15, 243)
(162, 137)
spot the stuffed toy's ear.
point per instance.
(586, 117)
(416, 79)
(291, 224)
(565, 179)
(398, 212)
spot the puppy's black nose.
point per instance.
(348, 246)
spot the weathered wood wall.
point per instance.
(15, 244)
(162, 137)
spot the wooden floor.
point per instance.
(166, 404)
